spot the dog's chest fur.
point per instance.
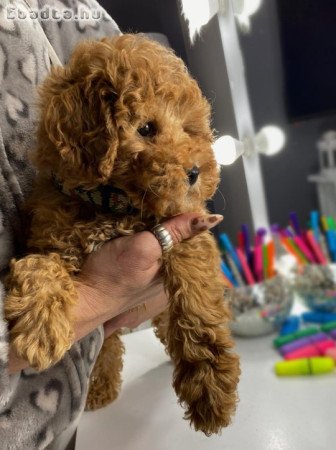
(72, 227)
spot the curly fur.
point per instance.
(90, 112)
(105, 381)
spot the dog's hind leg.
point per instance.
(160, 324)
(105, 380)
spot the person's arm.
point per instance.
(121, 276)
(93, 22)
(17, 137)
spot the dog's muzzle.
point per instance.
(193, 175)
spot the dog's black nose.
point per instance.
(193, 175)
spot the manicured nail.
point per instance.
(206, 222)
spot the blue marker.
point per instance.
(331, 238)
(318, 317)
(226, 245)
(291, 325)
(227, 272)
(314, 223)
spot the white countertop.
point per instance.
(273, 413)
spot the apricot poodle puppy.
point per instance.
(124, 141)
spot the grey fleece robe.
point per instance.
(35, 407)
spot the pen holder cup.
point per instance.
(261, 308)
(316, 285)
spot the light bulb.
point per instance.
(227, 150)
(198, 13)
(270, 140)
(243, 10)
(246, 7)
(251, 7)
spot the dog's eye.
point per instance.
(148, 130)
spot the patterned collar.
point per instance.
(108, 198)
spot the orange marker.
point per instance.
(271, 259)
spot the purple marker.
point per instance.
(275, 228)
(289, 232)
(261, 232)
(332, 333)
(247, 244)
(302, 342)
(288, 348)
(295, 223)
(318, 337)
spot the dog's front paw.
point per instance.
(44, 346)
(37, 307)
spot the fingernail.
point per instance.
(206, 222)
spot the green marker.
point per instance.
(331, 223)
(328, 326)
(265, 261)
(282, 340)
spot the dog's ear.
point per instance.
(77, 130)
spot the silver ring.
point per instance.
(163, 236)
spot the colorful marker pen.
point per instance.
(246, 269)
(305, 352)
(295, 223)
(282, 340)
(328, 326)
(302, 342)
(304, 248)
(314, 245)
(235, 270)
(247, 242)
(291, 325)
(333, 334)
(314, 223)
(226, 245)
(306, 366)
(317, 349)
(227, 272)
(258, 262)
(331, 239)
(318, 317)
(331, 352)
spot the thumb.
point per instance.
(144, 249)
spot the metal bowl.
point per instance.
(316, 285)
(261, 308)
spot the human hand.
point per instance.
(120, 284)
